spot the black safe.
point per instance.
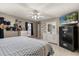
(68, 37)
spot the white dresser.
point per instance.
(10, 34)
(23, 33)
(16, 33)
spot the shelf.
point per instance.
(73, 22)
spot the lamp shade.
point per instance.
(2, 26)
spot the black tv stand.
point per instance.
(68, 37)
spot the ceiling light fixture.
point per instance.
(36, 14)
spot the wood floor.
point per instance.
(59, 51)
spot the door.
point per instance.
(29, 28)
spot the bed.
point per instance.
(24, 46)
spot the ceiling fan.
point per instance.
(35, 15)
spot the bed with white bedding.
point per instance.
(24, 46)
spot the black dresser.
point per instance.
(68, 37)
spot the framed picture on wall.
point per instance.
(51, 28)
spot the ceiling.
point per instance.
(48, 10)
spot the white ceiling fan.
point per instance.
(35, 15)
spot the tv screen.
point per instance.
(72, 16)
(69, 17)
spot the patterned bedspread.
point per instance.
(24, 46)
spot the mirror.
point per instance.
(51, 28)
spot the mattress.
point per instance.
(24, 46)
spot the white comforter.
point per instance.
(24, 46)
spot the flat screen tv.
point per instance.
(69, 17)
